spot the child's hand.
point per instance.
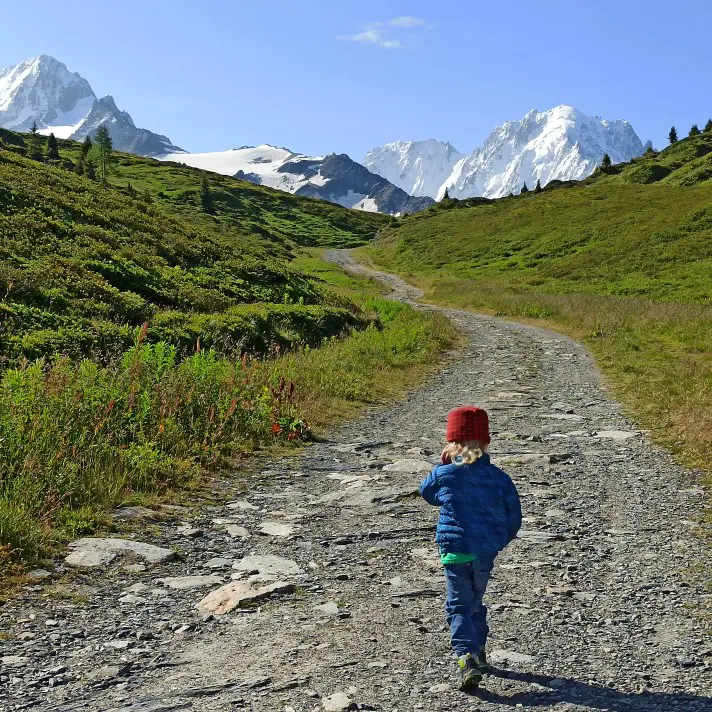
(445, 457)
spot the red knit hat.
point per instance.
(468, 423)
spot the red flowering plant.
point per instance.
(285, 418)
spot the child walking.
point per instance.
(480, 514)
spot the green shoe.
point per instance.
(470, 673)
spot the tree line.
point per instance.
(694, 131)
(97, 161)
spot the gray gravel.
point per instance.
(599, 605)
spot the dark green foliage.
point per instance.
(694, 130)
(34, 144)
(80, 267)
(90, 168)
(708, 126)
(524, 188)
(446, 196)
(131, 190)
(52, 150)
(648, 173)
(106, 160)
(672, 136)
(81, 167)
(206, 197)
(606, 163)
(537, 187)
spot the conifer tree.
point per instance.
(694, 130)
(131, 190)
(672, 136)
(146, 197)
(89, 169)
(649, 151)
(52, 151)
(446, 196)
(606, 163)
(708, 126)
(524, 189)
(106, 158)
(83, 156)
(537, 187)
(206, 197)
(35, 149)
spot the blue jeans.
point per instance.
(466, 614)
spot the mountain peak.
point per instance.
(417, 167)
(42, 90)
(561, 143)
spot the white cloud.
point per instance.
(383, 34)
(407, 21)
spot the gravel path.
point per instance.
(596, 606)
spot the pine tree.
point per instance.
(131, 190)
(106, 157)
(446, 196)
(649, 151)
(524, 189)
(708, 126)
(83, 156)
(52, 151)
(89, 169)
(672, 136)
(35, 147)
(694, 130)
(146, 197)
(206, 197)
(537, 187)
(606, 163)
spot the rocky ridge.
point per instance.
(330, 561)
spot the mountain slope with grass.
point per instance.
(145, 340)
(82, 265)
(622, 261)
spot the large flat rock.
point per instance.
(91, 552)
(267, 565)
(232, 595)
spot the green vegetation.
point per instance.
(622, 261)
(134, 327)
(81, 266)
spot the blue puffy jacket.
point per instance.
(480, 512)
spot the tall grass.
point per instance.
(78, 438)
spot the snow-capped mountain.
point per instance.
(562, 143)
(44, 91)
(418, 167)
(336, 177)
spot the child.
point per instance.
(480, 514)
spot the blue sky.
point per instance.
(329, 75)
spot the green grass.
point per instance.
(78, 438)
(144, 343)
(82, 265)
(619, 262)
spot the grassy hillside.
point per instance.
(609, 235)
(127, 323)
(622, 261)
(81, 266)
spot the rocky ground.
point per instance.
(318, 587)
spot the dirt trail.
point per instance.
(592, 608)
